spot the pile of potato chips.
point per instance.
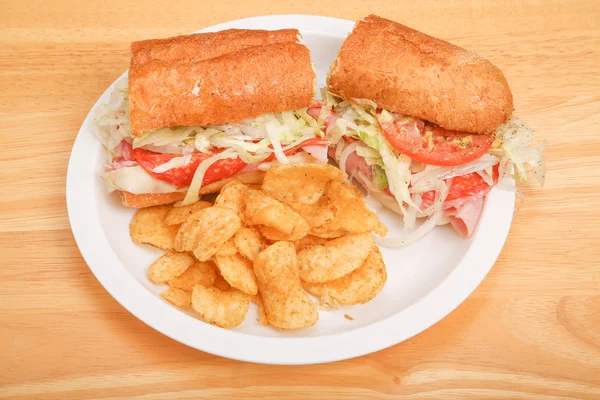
(305, 229)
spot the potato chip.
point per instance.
(226, 309)
(326, 232)
(228, 248)
(358, 287)
(262, 209)
(286, 304)
(304, 183)
(352, 214)
(238, 272)
(233, 196)
(262, 314)
(178, 214)
(308, 241)
(249, 242)
(220, 282)
(148, 226)
(201, 273)
(300, 230)
(334, 259)
(251, 178)
(169, 266)
(315, 214)
(207, 230)
(177, 297)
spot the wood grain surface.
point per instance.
(530, 331)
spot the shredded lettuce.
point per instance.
(175, 162)
(380, 178)
(112, 119)
(164, 137)
(192, 194)
(513, 144)
(371, 156)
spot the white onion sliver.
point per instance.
(317, 151)
(424, 229)
(427, 179)
(351, 148)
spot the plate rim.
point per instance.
(150, 309)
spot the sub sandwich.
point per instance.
(426, 127)
(197, 110)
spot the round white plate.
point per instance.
(426, 281)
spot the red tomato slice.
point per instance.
(430, 144)
(463, 188)
(182, 176)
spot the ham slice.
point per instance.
(464, 219)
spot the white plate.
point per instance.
(426, 281)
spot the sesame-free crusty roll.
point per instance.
(409, 72)
(231, 88)
(203, 46)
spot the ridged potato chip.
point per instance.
(262, 314)
(226, 309)
(326, 232)
(352, 214)
(308, 241)
(262, 209)
(177, 297)
(300, 230)
(339, 257)
(200, 273)
(249, 242)
(233, 196)
(207, 230)
(228, 248)
(358, 287)
(315, 214)
(178, 214)
(286, 304)
(169, 266)
(220, 282)
(148, 226)
(304, 183)
(238, 272)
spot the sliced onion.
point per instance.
(424, 229)
(428, 179)
(351, 148)
(317, 151)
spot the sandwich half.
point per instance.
(200, 109)
(425, 126)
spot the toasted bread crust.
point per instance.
(230, 88)
(203, 46)
(149, 199)
(409, 72)
(156, 199)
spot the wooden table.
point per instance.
(531, 330)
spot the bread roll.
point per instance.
(203, 46)
(409, 72)
(230, 88)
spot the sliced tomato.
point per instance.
(182, 176)
(429, 144)
(463, 189)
